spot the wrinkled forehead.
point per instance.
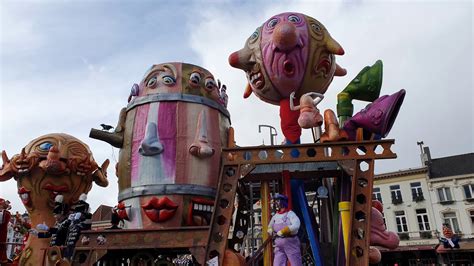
(173, 68)
(177, 70)
(68, 145)
(297, 18)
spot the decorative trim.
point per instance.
(170, 97)
(167, 189)
(401, 173)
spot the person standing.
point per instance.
(285, 225)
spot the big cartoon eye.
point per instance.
(210, 84)
(254, 35)
(272, 23)
(195, 78)
(316, 28)
(152, 83)
(45, 146)
(294, 19)
(169, 80)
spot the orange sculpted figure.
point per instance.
(51, 165)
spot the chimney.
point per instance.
(422, 153)
(426, 156)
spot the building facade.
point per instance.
(417, 202)
(451, 186)
(407, 211)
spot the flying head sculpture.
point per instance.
(290, 52)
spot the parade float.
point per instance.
(51, 165)
(187, 189)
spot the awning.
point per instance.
(463, 247)
(408, 248)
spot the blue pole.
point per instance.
(301, 205)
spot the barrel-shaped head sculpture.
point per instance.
(170, 138)
(290, 52)
(50, 165)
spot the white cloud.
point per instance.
(18, 35)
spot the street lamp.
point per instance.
(272, 129)
(420, 143)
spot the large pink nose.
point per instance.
(285, 36)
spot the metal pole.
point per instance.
(265, 203)
(252, 242)
(272, 135)
(317, 132)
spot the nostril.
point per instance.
(285, 36)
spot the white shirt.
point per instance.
(290, 218)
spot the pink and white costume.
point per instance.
(287, 248)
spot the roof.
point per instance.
(401, 173)
(408, 248)
(103, 213)
(462, 164)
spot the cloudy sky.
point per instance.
(67, 66)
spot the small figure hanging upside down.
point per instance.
(285, 224)
(309, 113)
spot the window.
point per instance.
(444, 194)
(469, 191)
(401, 220)
(396, 194)
(258, 217)
(450, 218)
(471, 214)
(416, 191)
(376, 195)
(423, 222)
(384, 222)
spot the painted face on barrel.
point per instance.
(162, 78)
(169, 162)
(199, 81)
